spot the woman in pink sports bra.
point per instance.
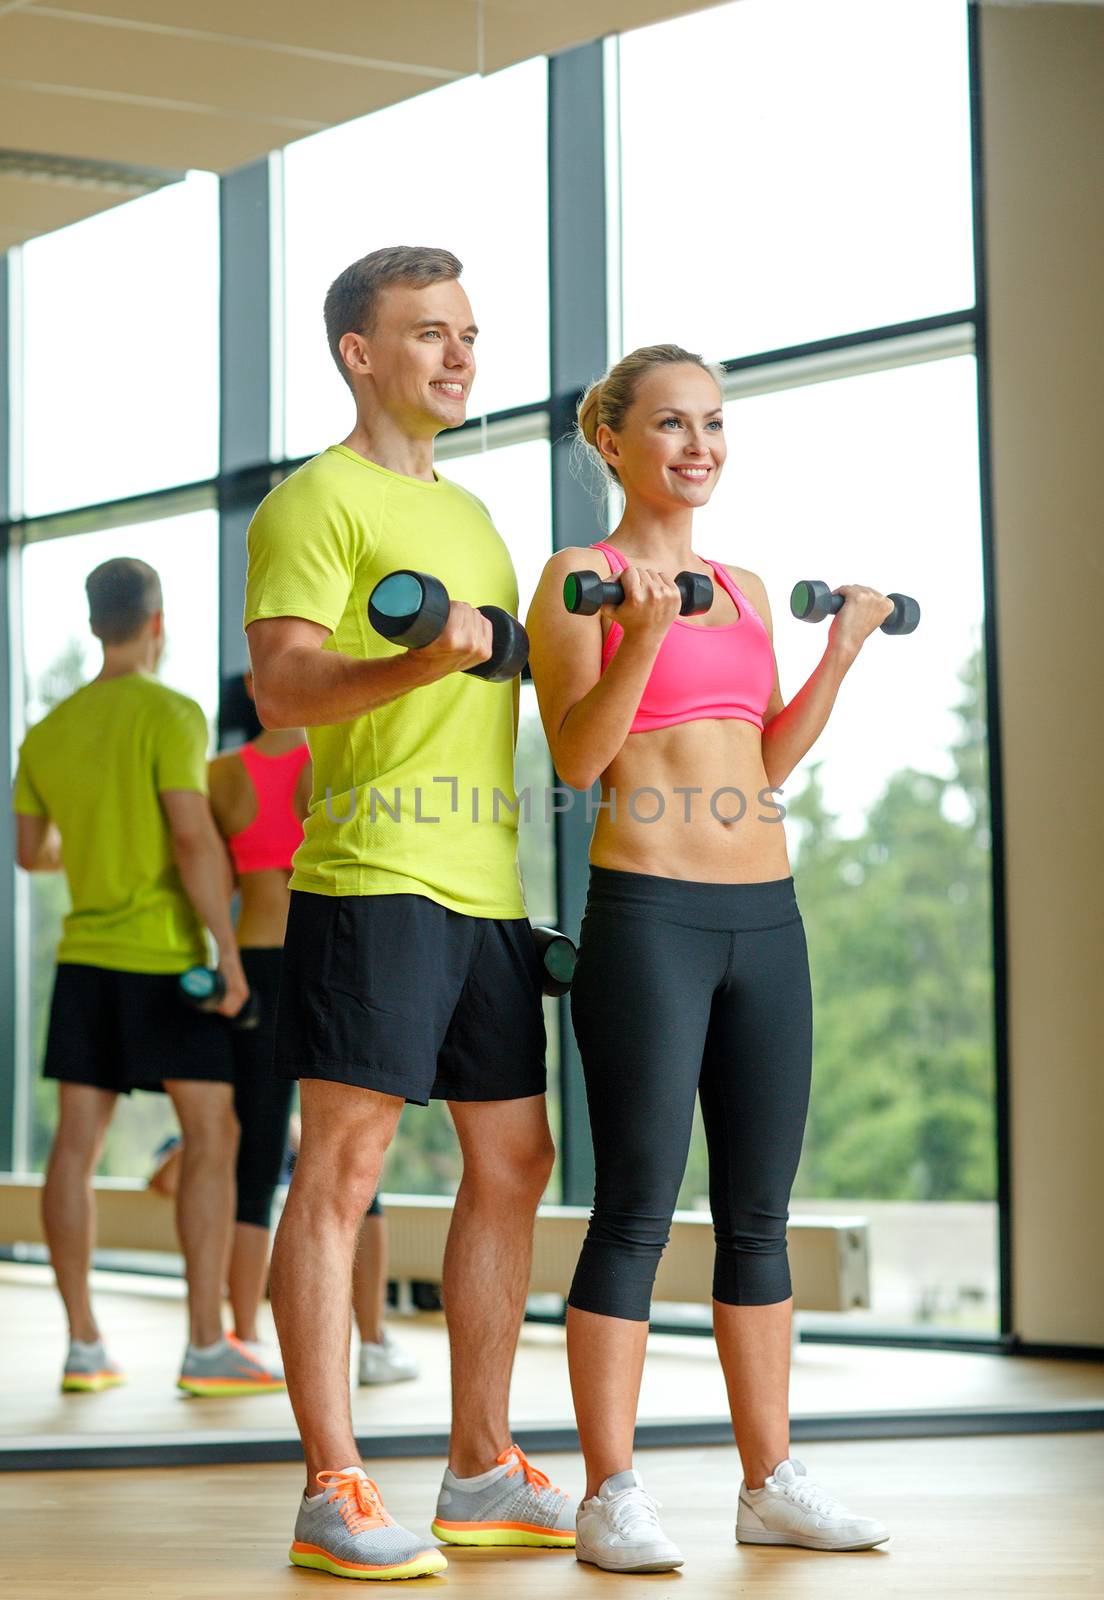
(692, 978)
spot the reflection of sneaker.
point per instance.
(88, 1368)
(269, 1358)
(513, 1503)
(618, 1529)
(791, 1509)
(385, 1363)
(346, 1530)
(226, 1368)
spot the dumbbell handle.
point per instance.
(585, 593)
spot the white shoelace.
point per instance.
(812, 1497)
(633, 1512)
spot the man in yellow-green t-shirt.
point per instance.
(112, 790)
(409, 967)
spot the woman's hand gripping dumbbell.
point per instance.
(812, 601)
(413, 609)
(585, 593)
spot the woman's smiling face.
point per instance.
(671, 448)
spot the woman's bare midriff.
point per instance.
(704, 785)
(262, 920)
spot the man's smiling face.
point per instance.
(421, 354)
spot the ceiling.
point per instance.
(102, 100)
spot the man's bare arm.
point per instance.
(297, 684)
(201, 857)
(37, 843)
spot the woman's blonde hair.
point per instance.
(608, 400)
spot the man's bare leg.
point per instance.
(205, 1197)
(345, 1135)
(68, 1204)
(508, 1156)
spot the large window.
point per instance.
(810, 178)
(513, 483)
(121, 348)
(873, 479)
(395, 178)
(792, 170)
(778, 174)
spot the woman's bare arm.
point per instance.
(790, 731)
(586, 713)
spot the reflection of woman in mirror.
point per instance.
(693, 976)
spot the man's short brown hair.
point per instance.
(353, 297)
(122, 596)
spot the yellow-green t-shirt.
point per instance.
(416, 797)
(96, 765)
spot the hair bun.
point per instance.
(587, 417)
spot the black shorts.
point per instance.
(399, 994)
(130, 1030)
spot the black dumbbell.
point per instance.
(558, 956)
(203, 988)
(585, 592)
(411, 608)
(813, 601)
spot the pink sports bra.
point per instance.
(702, 673)
(275, 833)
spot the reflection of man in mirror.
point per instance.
(112, 790)
(409, 969)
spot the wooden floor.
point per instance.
(971, 1519)
(144, 1321)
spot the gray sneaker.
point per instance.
(228, 1368)
(88, 1368)
(346, 1531)
(513, 1503)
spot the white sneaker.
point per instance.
(385, 1363)
(791, 1509)
(618, 1529)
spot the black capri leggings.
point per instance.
(680, 988)
(262, 1101)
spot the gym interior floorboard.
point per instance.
(144, 1322)
(972, 1519)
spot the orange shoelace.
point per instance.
(515, 1460)
(358, 1499)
